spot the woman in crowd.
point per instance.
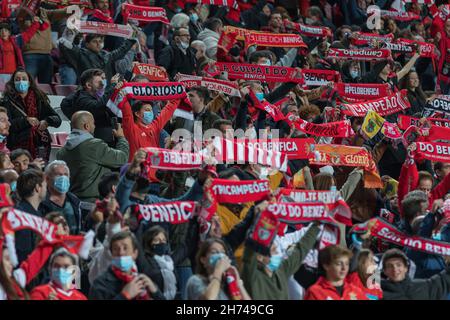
(210, 280)
(30, 115)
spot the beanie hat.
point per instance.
(394, 253)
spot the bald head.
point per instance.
(83, 120)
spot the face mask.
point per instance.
(62, 277)
(102, 46)
(184, 45)
(194, 18)
(148, 117)
(2, 138)
(124, 263)
(354, 74)
(259, 96)
(13, 186)
(275, 262)
(214, 258)
(333, 189)
(105, 83)
(22, 86)
(309, 21)
(100, 92)
(61, 184)
(267, 63)
(160, 249)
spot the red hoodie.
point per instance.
(144, 136)
(324, 290)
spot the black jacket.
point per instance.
(174, 60)
(47, 206)
(82, 100)
(25, 240)
(434, 288)
(108, 287)
(83, 59)
(20, 129)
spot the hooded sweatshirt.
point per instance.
(89, 159)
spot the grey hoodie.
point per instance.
(76, 137)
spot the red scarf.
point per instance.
(306, 30)
(294, 148)
(240, 191)
(366, 91)
(151, 72)
(399, 15)
(127, 278)
(338, 129)
(284, 40)
(228, 87)
(154, 91)
(318, 77)
(256, 72)
(362, 38)
(107, 29)
(432, 151)
(360, 54)
(141, 13)
(166, 159)
(174, 212)
(384, 106)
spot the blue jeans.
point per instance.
(67, 74)
(40, 66)
(183, 275)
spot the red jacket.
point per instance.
(371, 294)
(409, 181)
(43, 292)
(25, 37)
(323, 290)
(139, 135)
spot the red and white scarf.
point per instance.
(15, 220)
(367, 91)
(174, 212)
(384, 106)
(154, 91)
(151, 72)
(405, 121)
(247, 71)
(224, 3)
(432, 151)
(230, 88)
(284, 40)
(143, 13)
(385, 231)
(166, 159)
(399, 15)
(362, 38)
(338, 129)
(360, 54)
(308, 31)
(294, 148)
(239, 152)
(107, 29)
(230, 191)
(318, 77)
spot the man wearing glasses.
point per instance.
(178, 57)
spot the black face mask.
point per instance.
(160, 249)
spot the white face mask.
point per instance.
(184, 45)
(309, 21)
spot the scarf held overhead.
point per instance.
(143, 13)
(175, 212)
(230, 191)
(384, 106)
(228, 87)
(151, 72)
(359, 54)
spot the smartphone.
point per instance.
(115, 123)
(41, 152)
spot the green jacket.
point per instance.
(89, 159)
(262, 287)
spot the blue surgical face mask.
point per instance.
(62, 277)
(354, 74)
(267, 63)
(104, 83)
(333, 188)
(124, 263)
(194, 17)
(2, 138)
(22, 86)
(214, 258)
(259, 96)
(148, 117)
(275, 262)
(61, 184)
(13, 186)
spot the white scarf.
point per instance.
(165, 263)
